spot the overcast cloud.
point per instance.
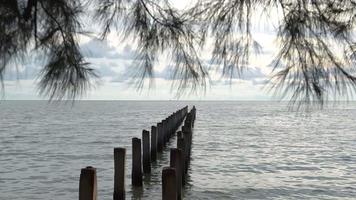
(114, 61)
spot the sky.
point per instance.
(113, 61)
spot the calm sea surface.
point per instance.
(241, 150)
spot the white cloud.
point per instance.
(114, 61)
(98, 49)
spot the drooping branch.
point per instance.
(28, 10)
(157, 28)
(312, 70)
(66, 74)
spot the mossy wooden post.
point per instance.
(136, 175)
(159, 137)
(146, 154)
(87, 184)
(169, 184)
(153, 143)
(176, 159)
(119, 173)
(181, 146)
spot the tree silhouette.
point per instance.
(50, 27)
(315, 59)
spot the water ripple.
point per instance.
(241, 150)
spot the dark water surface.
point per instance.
(241, 150)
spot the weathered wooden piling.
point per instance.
(187, 124)
(173, 123)
(136, 175)
(164, 128)
(167, 129)
(181, 146)
(194, 111)
(146, 154)
(169, 184)
(171, 126)
(88, 184)
(160, 137)
(176, 160)
(179, 134)
(173, 177)
(153, 143)
(186, 151)
(119, 173)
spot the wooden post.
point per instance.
(136, 175)
(169, 130)
(181, 146)
(119, 174)
(186, 151)
(187, 124)
(168, 121)
(174, 122)
(176, 159)
(171, 126)
(179, 134)
(194, 110)
(146, 157)
(165, 133)
(87, 184)
(169, 184)
(160, 137)
(153, 143)
(188, 134)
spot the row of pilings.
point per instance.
(144, 152)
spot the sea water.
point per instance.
(241, 150)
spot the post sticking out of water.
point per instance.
(165, 128)
(173, 177)
(169, 184)
(186, 151)
(176, 159)
(119, 174)
(160, 137)
(87, 184)
(146, 157)
(181, 146)
(153, 143)
(136, 175)
(164, 132)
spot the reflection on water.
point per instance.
(241, 150)
(137, 192)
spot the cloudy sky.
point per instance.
(113, 60)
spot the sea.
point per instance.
(240, 150)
